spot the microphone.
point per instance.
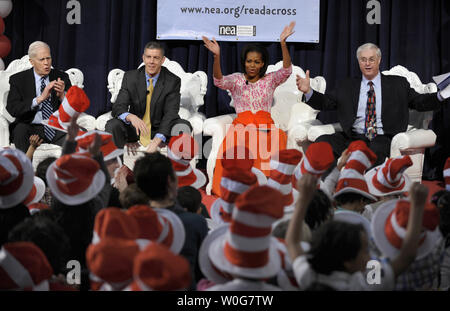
(246, 82)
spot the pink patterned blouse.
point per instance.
(254, 96)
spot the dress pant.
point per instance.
(126, 133)
(380, 145)
(23, 131)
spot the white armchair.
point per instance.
(412, 142)
(192, 91)
(45, 150)
(288, 113)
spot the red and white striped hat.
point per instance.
(248, 249)
(389, 225)
(447, 174)
(37, 207)
(110, 263)
(317, 160)
(75, 101)
(282, 167)
(159, 225)
(23, 266)
(36, 193)
(236, 179)
(75, 178)
(112, 222)
(351, 179)
(389, 177)
(16, 177)
(181, 150)
(108, 148)
(240, 156)
(211, 272)
(157, 268)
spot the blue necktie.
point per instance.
(47, 111)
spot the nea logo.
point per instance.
(227, 30)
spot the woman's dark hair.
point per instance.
(48, 236)
(319, 210)
(151, 174)
(334, 243)
(259, 49)
(189, 198)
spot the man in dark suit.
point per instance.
(146, 109)
(34, 95)
(373, 108)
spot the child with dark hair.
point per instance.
(442, 201)
(155, 176)
(319, 210)
(41, 171)
(9, 218)
(48, 236)
(340, 251)
(133, 195)
(190, 199)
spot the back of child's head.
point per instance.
(319, 210)
(189, 198)
(9, 218)
(351, 197)
(77, 221)
(41, 169)
(133, 195)
(280, 228)
(48, 236)
(333, 244)
(442, 201)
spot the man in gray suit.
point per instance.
(146, 109)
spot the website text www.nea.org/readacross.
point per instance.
(239, 10)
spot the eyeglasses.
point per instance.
(365, 60)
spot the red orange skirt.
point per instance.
(258, 133)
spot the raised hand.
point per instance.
(304, 84)
(212, 45)
(35, 141)
(94, 148)
(418, 194)
(287, 31)
(73, 128)
(343, 160)
(306, 187)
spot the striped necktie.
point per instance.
(371, 114)
(145, 139)
(47, 111)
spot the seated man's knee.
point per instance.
(181, 126)
(112, 125)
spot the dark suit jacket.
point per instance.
(397, 98)
(165, 103)
(23, 90)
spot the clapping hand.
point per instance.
(59, 87)
(304, 84)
